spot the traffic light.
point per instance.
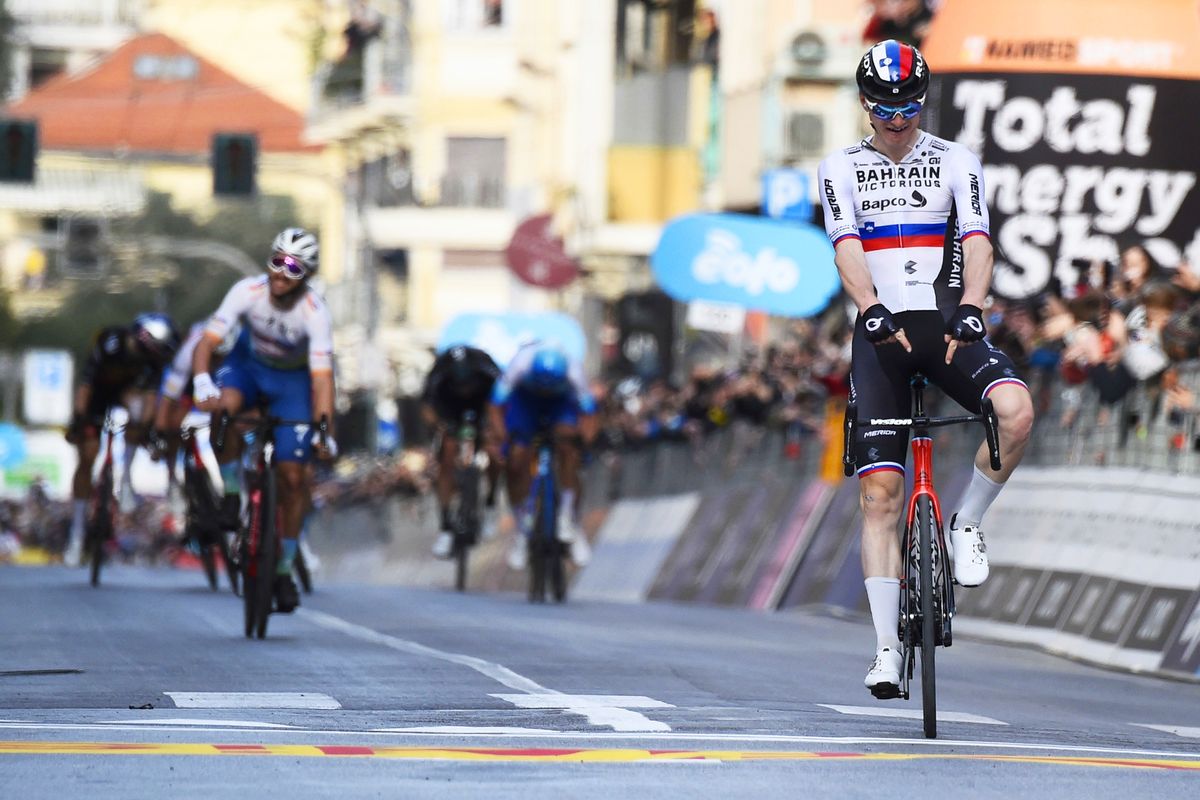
(18, 150)
(234, 163)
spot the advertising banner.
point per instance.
(784, 269)
(502, 335)
(1077, 110)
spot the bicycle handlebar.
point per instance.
(987, 417)
(262, 422)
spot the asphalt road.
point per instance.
(146, 687)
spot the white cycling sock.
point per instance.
(884, 597)
(568, 502)
(980, 495)
(78, 519)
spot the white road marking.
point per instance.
(911, 713)
(585, 736)
(599, 709)
(1178, 730)
(495, 730)
(496, 672)
(307, 700)
(598, 712)
(230, 723)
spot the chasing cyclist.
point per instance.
(543, 391)
(174, 399)
(123, 369)
(289, 365)
(461, 380)
(905, 211)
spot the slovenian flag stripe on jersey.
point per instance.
(891, 237)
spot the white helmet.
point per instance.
(300, 245)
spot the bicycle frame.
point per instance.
(545, 550)
(926, 588)
(259, 541)
(466, 516)
(101, 523)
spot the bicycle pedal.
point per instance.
(885, 691)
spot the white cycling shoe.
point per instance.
(883, 678)
(968, 553)
(518, 554)
(73, 555)
(311, 560)
(570, 534)
(443, 544)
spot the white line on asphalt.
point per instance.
(911, 713)
(585, 736)
(596, 708)
(1178, 730)
(458, 730)
(231, 723)
(496, 672)
(307, 700)
(599, 709)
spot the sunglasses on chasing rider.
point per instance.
(886, 112)
(289, 266)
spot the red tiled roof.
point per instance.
(110, 107)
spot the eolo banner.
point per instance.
(1083, 113)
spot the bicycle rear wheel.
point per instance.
(929, 623)
(537, 549)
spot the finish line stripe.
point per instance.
(568, 755)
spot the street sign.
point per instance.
(786, 194)
(704, 315)
(48, 393)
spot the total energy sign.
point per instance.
(1079, 112)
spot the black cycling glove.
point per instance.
(879, 323)
(967, 324)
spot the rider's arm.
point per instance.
(973, 224)
(320, 357)
(837, 201)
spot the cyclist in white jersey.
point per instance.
(174, 400)
(289, 364)
(906, 214)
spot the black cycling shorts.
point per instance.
(880, 383)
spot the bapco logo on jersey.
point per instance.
(724, 261)
(917, 200)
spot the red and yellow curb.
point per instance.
(567, 755)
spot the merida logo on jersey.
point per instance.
(975, 204)
(724, 261)
(831, 198)
(898, 177)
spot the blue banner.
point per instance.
(12, 446)
(784, 269)
(501, 335)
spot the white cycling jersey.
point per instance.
(903, 213)
(293, 339)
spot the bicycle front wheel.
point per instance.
(267, 555)
(100, 530)
(926, 536)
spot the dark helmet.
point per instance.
(157, 337)
(893, 73)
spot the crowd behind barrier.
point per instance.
(1112, 360)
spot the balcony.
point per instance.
(367, 90)
(76, 13)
